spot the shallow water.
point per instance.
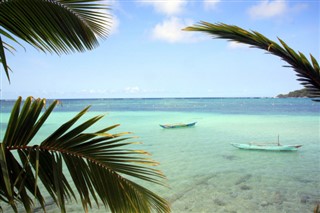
(205, 173)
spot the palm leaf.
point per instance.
(98, 163)
(3, 59)
(55, 26)
(308, 73)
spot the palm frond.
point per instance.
(55, 26)
(308, 73)
(98, 163)
(3, 59)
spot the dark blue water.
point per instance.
(254, 106)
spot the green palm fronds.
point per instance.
(98, 164)
(308, 72)
(55, 26)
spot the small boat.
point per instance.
(267, 146)
(177, 125)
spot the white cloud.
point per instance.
(134, 89)
(167, 7)
(237, 45)
(114, 25)
(210, 4)
(170, 30)
(94, 91)
(268, 9)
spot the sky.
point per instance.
(147, 55)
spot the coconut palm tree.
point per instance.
(100, 166)
(308, 73)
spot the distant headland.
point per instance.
(302, 93)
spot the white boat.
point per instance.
(267, 146)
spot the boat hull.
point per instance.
(267, 147)
(172, 126)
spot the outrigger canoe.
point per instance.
(268, 147)
(177, 125)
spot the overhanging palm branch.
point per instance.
(308, 73)
(97, 163)
(55, 26)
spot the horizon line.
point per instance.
(236, 97)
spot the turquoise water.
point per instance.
(205, 173)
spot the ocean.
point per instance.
(204, 172)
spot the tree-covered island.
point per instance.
(302, 93)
